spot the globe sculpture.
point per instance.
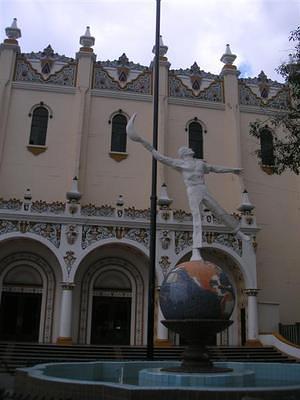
(197, 290)
(197, 300)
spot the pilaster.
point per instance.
(86, 59)
(65, 326)
(252, 320)
(232, 129)
(164, 67)
(8, 53)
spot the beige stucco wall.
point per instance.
(276, 199)
(102, 179)
(48, 174)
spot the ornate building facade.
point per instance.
(74, 217)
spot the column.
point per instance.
(65, 326)
(252, 323)
(162, 331)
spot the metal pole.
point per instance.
(153, 198)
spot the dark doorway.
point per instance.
(243, 326)
(20, 316)
(111, 318)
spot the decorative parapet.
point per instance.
(123, 61)
(40, 207)
(91, 210)
(191, 71)
(11, 204)
(133, 213)
(25, 72)
(184, 240)
(49, 231)
(182, 216)
(247, 97)
(214, 92)
(95, 233)
(141, 84)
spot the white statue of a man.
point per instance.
(193, 171)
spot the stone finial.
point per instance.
(27, 199)
(162, 48)
(120, 201)
(74, 194)
(164, 200)
(27, 195)
(13, 32)
(87, 41)
(228, 58)
(246, 206)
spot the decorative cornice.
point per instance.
(121, 95)
(196, 103)
(44, 88)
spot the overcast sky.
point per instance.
(194, 30)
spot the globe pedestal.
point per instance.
(198, 334)
(197, 299)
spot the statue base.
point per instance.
(198, 333)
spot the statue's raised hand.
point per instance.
(131, 133)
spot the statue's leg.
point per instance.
(226, 218)
(197, 226)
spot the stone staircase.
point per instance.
(15, 355)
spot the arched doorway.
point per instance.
(112, 303)
(27, 296)
(111, 308)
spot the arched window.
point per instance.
(266, 147)
(39, 126)
(196, 139)
(118, 133)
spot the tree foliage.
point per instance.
(286, 124)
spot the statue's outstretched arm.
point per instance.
(131, 133)
(221, 170)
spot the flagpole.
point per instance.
(153, 198)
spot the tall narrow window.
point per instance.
(118, 133)
(266, 147)
(39, 126)
(196, 139)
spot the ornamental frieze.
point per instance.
(103, 211)
(139, 235)
(69, 260)
(50, 232)
(133, 213)
(184, 240)
(214, 92)
(164, 264)
(8, 227)
(26, 73)
(141, 84)
(11, 204)
(39, 206)
(248, 98)
(94, 233)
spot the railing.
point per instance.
(291, 332)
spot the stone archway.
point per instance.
(132, 282)
(28, 278)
